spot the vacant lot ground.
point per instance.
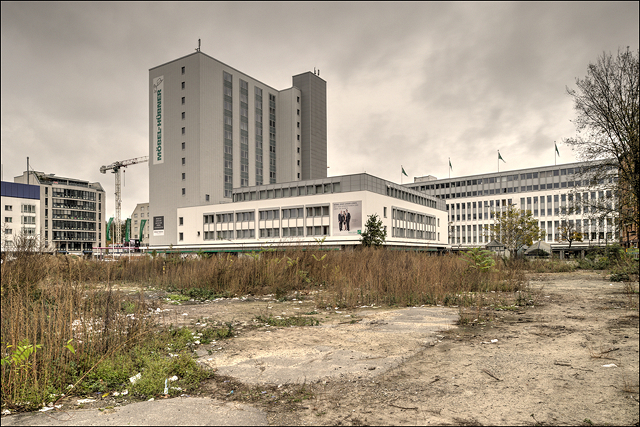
(570, 357)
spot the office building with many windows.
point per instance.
(330, 212)
(71, 212)
(213, 129)
(555, 195)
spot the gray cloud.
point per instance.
(408, 84)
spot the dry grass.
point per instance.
(58, 323)
(66, 313)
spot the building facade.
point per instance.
(213, 128)
(330, 211)
(140, 223)
(557, 196)
(20, 216)
(71, 212)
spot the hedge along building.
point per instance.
(330, 211)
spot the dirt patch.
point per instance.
(571, 358)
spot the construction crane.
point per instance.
(115, 168)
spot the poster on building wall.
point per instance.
(157, 99)
(158, 226)
(347, 218)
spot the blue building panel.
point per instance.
(21, 191)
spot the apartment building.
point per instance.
(71, 212)
(213, 129)
(140, 223)
(20, 215)
(554, 194)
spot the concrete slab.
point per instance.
(366, 348)
(180, 411)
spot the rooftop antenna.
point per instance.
(314, 70)
(198, 48)
(318, 72)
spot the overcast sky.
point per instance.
(409, 84)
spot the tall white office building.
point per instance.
(554, 194)
(213, 129)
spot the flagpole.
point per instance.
(498, 161)
(449, 167)
(555, 161)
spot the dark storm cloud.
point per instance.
(408, 84)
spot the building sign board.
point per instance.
(158, 225)
(157, 99)
(347, 218)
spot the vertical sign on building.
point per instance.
(158, 93)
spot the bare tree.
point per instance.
(607, 106)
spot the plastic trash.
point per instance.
(135, 378)
(494, 340)
(611, 365)
(166, 387)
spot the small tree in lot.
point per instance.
(514, 228)
(567, 232)
(374, 233)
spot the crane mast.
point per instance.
(115, 169)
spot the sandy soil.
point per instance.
(548, 365)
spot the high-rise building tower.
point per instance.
(213, 128)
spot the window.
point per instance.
(182, 70)
(181, 237)
(183, 115)
(183, 131)
(298, 99)
(181, 221)
(183, 145)
(183, 100)
(182, 85)
(183, 161)
(183, 175)
(8, 219)
(206, 197)
(385, 211)
(183, 192)
(8, 207)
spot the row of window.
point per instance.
(515, 189)
(504, 178)
(73, 194)
(273, 232)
